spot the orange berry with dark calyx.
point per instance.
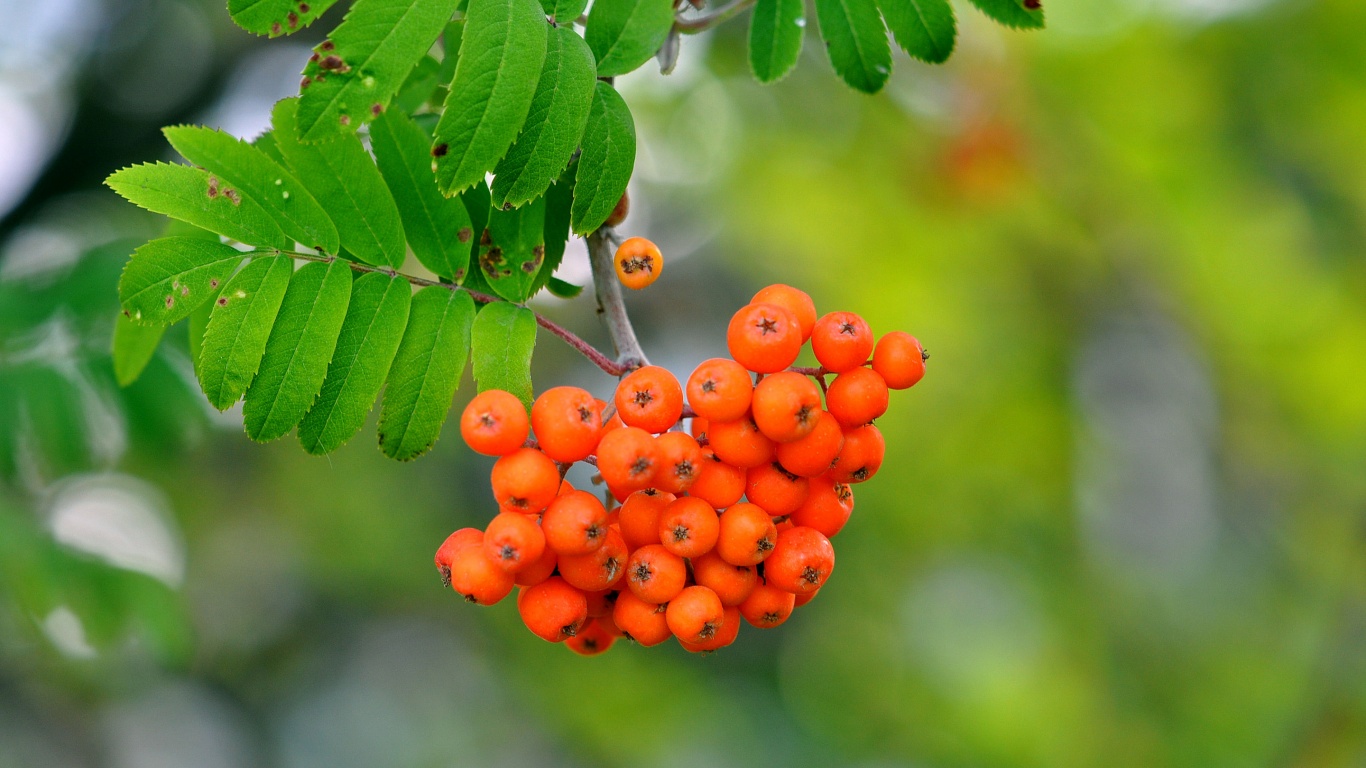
(655, 574)
(638, 262)
(627, 459)
(689, 526)
(793, 300)
(465, 537)
(827, 507)
(731, 583)
(775, 489)
(568, 423)
(537, 572)
(724, 636)
(786, 406)
(525, 481)
(513, 541)
(553, 610)
(767, 606)
(747, 535)
(650, 398)
(740, 444)
(765, 338)
(645, 623)
(494, 423)
(861, 457)
(718, 483)
(599, 569)
(857, 396)
(591, 640)
(697, 427)
(575, 524)
(801, 561)
(478, 578)
(720, 389)
(899, 359)
(842, 341)
(814, 454)
(695, 615)
(640, 517)
(680, 461)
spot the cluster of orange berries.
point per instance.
(682, 555)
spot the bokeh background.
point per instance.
(1121, 521)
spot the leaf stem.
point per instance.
(720, 16)
(611, 305)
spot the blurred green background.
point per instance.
(1121, 520)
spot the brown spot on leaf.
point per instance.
(528, 267)
(303, 8)
(375, 109)
(213, 283)
(538, 252)
(170, 302)
(304, 83)
(314, 58)
(327, 45)
(440, 150)
(486, 238)
(232, 195)
(222, 301)
(1033, 5)
(213, 187)
(293, 19)
(275, 28)
(464, 234)
(332, 63)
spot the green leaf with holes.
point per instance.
(625, 33)
(925, 29)
(168, 278)
(370, 335)
(343, 178)
(438, 227)
(503, 338)
(239, 326)
(1012, 13)
(364, 62)
(510, 257)
(261, 178)
(606, 162)
(195, 196)
(555, 123)
(856, 41)
(501, 52)
(133, 347)
(276, 17)
(775, 38)
(426, 372)
(298, 350)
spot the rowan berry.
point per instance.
(538, 571)
(747, 535)
(627, 459)
(765, 338)
(767, 606)
(525, 481)
(732, 583)
(650, 398)
(638, 262)
(775, 489)
(720, 389)
(568, 423)
(724, 635)
(698, 429)
(600, 602)
(796, 301)
(899, 359)
(786, 406)
(494, 423)
(827, 507)
(695, 615)
(718, 483)
(457, 541)
(645, 623)
(599, 569)
(639, 517)
(801, 561)
(592, 640)
(513, 541)
(814, 454)
(655, 574)
(805, 598)
(575, 524)
(553, 610)
(842, 341)
(680, 461)
(857, 396)
(689, 526)
(619, 212)
(740, 443)
(478, 578)
(861, 457)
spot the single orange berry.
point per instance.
(513, 541)
(801, 561)
(814, 454)
(494, 423)
(775, 489)
(718, 483)
(746, 536)
(732, 583)
(575, 524)
(695, 614)
(478, 578)
(640, 517)
(680, 461)
(627, 460)
(568, 423)
(593, 639)
(655, 574)
(842, 341)
(767, 606)
(857, 396)
(619, 213)
(765, 338)
(465, 537)
(689, 526)
(861, 457)
(724, 635)
(638, 263)
(740, 443)
(786, 406)
(553, 610)
(720, 389)
(827, 507)
(805, 598)
(539, 571)
(650, 398)
(900, 359)
(599, 569)
(793, 300)
(697, 427)
(525, 481)
(645, 623)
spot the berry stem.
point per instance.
(611, 305)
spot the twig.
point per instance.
(611, 306)
(703, 23)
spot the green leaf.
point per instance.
(560, 288)
(625, 33)
(558, 201)
(342, 177)
(197, 197)
(133, 348)
(365, 60)
(421, 84)
(276, 17)
(501, 53)
(438, 227)
(555, 123)
(298, 351)
(196, 325)
(564, 11)
(856, 41)
(236, 335)
(775, 38)
(925, 29)
(605, 165)
(1012, 13)
(169, 278)
(501, 343)
(510, 257)
(426, 372)
(479, 206)
(369, 338)
(261, 178)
